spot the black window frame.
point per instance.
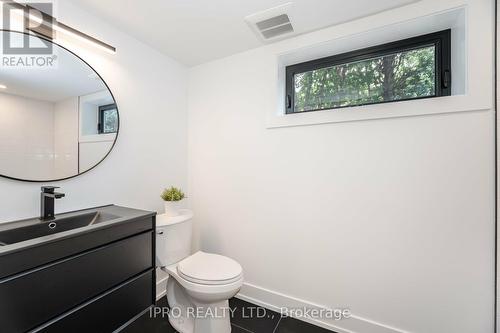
(102, 110)
(441, 40)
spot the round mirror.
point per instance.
(58, 118)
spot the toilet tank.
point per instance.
(173, 238)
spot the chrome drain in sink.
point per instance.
(52, 225)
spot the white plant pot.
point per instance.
(172, 208)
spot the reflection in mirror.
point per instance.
(55, 121)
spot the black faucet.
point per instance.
(47, 198)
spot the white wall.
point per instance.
(92, 152)
(89, 118)
(66, 138)
(93, 146)
(26, 134)
(393, 218)
(150, 90)
(498, 161)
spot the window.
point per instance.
(108, 119)
(408, 69)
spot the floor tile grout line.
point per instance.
(244, 329)
(279, 321)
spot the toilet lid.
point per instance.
(207, 268)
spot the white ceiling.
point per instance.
(198, 31)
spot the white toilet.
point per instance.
(199, 285)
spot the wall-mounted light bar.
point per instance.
(60, 27)
(45, 25)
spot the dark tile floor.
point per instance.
(247, 318)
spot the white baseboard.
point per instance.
(160, 294)
(276, 301)
(161, 289)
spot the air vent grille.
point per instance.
(275, 26)
(277, 31)
(272, 24)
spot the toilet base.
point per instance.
(203, 324)
(187, 315)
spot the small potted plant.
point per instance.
(172, 198)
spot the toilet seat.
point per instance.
(209, 269)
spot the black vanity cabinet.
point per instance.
(93, 280)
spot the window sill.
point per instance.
(98, 138)
(429, 106)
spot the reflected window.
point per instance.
(108, 119)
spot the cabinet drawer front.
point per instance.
(46, 253)
(110, 312)
(31, 299)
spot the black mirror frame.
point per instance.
(107, 87)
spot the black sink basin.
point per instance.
(45, 228)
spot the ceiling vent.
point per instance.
(272, 24)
